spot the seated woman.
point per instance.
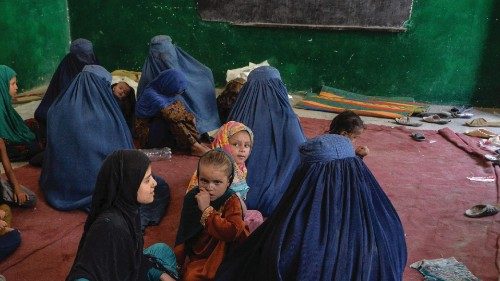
(124, 92)
(227, 98)
(111, 247)
(162, 117)
(10, 238)
(333, 223)
(20, 140)
(81, 53)
(85, 125)
(199, 96)
(236, 139)
(263, 106)
(211, 219)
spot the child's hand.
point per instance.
(20, 197)
(203, 199)
(362, 151)
(3, 224)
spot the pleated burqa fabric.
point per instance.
(81, 53)
(334, 223)
(199, 96)
(263, 106)
(85, 124)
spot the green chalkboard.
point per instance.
(35, 37)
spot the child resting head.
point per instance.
(350, 125)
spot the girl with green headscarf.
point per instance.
(13, 134)
(19, 139)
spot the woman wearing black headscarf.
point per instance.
(111, 247)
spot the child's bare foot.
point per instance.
(199, 149)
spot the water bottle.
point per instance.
(158, 154)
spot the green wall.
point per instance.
(439, 59)
(35, 37)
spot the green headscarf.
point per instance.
(12, 127)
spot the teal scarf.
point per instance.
(12, 127)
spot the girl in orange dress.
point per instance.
(211, 219)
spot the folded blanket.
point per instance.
(335, 100)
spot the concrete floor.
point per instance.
(457, 124)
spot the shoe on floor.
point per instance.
(436, 119)
(481, 122)
(407, 122)
(418, 136)
(481, 133)
(481, 210)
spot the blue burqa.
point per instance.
(199, 96)
(81, 53)
(334, 223)
(85, 124)
(263, 106)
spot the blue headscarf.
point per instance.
(334, 223)
(263, 106)
(85, 124)
(161, 92)
(81, 53)
(199, 96)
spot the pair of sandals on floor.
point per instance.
(430, 119)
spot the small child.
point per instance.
(9, 238)
(124, 92)
(236, 139)
(211, 219)
(227, 98)
(350, 125)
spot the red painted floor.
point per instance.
(426, 181)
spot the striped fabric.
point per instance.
(336, 101)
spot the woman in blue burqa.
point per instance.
(85, 124)
(334, 223)
(81, 53)
(263, 106)
(199, 96)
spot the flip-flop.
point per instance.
(418, 136)
(462, 115)
(407, 122)
(481, 122)
(442, 114)
(436, 119)
(481, 210)
(481, 133)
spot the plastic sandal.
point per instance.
(407, 122)
(436, 119)
(481, 122)
(418, 136)
(481, 210)
(481, 133)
